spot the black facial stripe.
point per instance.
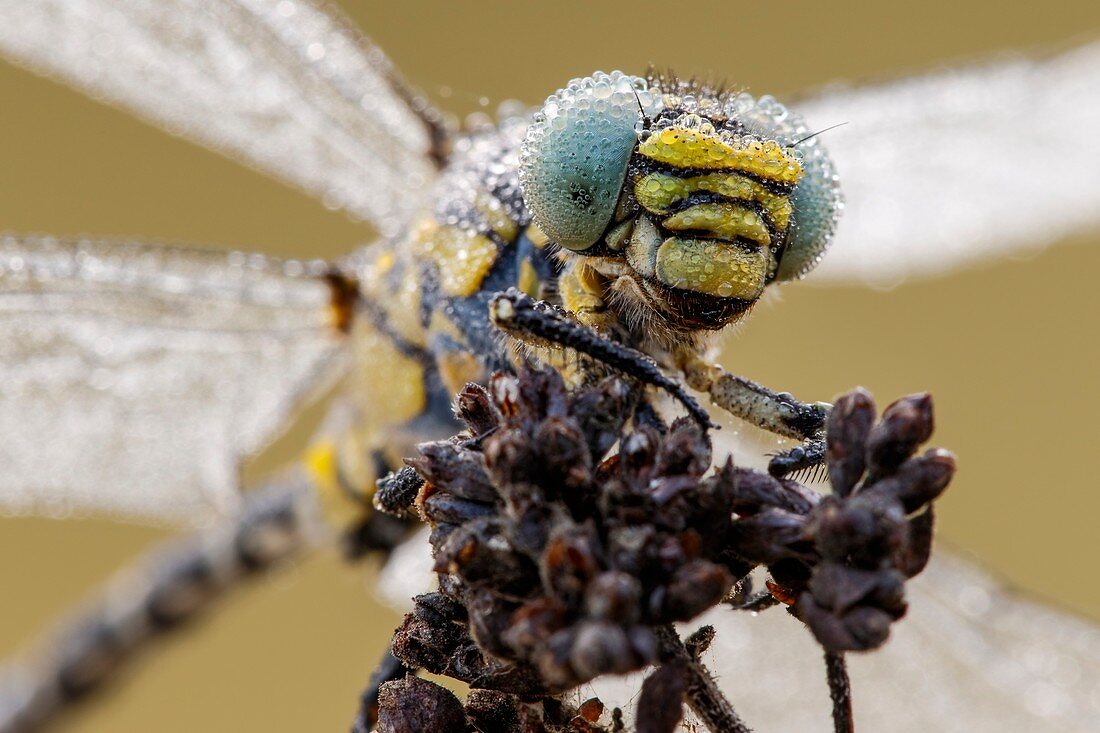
(641, 166)
(699, 310)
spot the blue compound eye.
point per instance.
(817, 203)
(573, 161)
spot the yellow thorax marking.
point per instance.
(403, 308)
(537, 237)
(658, 193)
(528, 280)
(498, 220)
(690, 148)
(458, 368)
(463, 257)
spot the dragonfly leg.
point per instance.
(389, 669)
(171, 586)
(521, 317)
(803, 462)
(776, 412)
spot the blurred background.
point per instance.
(1009, 350)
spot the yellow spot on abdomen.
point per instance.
(320, 462)
(462, 257)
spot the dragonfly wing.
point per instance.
(286, 86)
(135, 378)
(970, 656)
(962, 166)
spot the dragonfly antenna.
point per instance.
(641, 109)
(815, 134)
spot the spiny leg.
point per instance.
(776, 412)
(169, 587)
(521, 316)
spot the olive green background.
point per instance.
(1009, 350)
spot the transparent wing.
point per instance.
(962, 166)
(134, 378)
(284, 85)
(970, 656)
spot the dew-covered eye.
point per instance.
(816, 203)
(573, 161)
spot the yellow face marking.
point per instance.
(714, 268)
(463, 257)
(726, 221)
(617, 237)
(659, 192)
(690, 148)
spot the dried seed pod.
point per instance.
(413, 705)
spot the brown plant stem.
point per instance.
(840, 691)
(702, 694)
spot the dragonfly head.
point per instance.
(705, 195)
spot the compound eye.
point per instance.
(573, 161)
(816, 203)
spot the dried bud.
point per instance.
(848, 427)
(661, 702)
(905, 424)
(473, 407)
(413, 705)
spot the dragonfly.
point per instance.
(139, 377)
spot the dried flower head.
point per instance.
(842, 560)
(560, 560)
